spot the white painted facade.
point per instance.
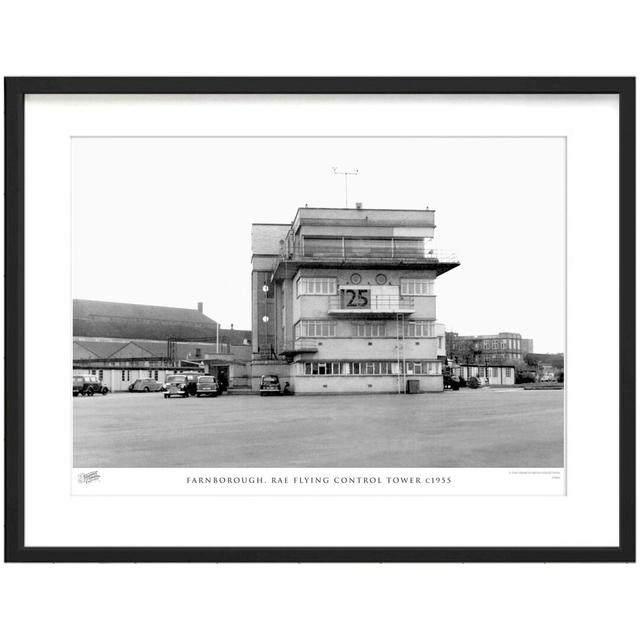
(348, 298)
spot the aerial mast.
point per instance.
(346, 174)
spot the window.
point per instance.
(507, 373)
(495, 372)
(316, 286)
(440, 345)
(413, 368)
(434, 368)
(324, 368)
(100, 375)
(375, 247)
(330, 247)
(422, 367)
(420, 329)
(369, 329)
(155, 375)
(93, 372)
(416, 287)
(128, 376)
(371, 368)
(316, 329)
(198, 352)
(123, 372)
(408, 248)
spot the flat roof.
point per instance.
(425, 210)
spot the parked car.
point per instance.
(475, 382)
(451, 382)
(88, 385)
(207, 386)
(181, 384)
(270, 385)
(145, 385)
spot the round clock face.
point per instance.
(381, 278)
(356, 278)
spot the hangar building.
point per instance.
(121, 342)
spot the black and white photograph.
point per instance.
(318, 302)
(342, 320)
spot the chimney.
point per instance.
(232, 326)
(358, 205)
(200, 307)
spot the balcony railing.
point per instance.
(371, 304)
(344, 254)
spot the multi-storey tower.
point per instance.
(343, 300)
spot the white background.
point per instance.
(587, 516)
(490, 38)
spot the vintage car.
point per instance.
(476, 382)
(88, 386)
(181, 384)
(451, 382)
(270, 385)
(207, 386)
(145, 385)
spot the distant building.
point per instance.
(343, 300)
(120, 342)
(495, 348)
(526, 346)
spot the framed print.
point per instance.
(320, 319)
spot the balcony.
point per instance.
(344, 256)
(300, 345)
(380, 306)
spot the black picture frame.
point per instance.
(15, 91)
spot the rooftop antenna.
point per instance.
(346, 174)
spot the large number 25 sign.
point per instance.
(356, 298)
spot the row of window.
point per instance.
(366, 247)
(500, 344)
(327, 329)
(317, 286)
(369, 329)
(416, 287)
(371, 368)
(125, 374)
(329, 286)
(484, 372)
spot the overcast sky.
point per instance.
(167, 221)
